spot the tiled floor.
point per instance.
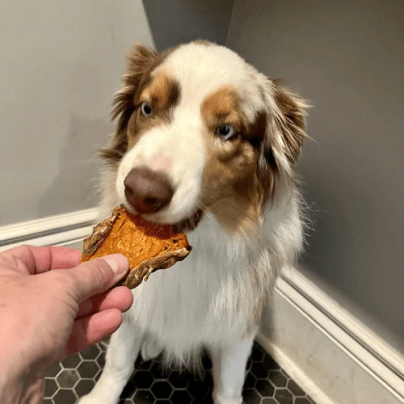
(266, 382)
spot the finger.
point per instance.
(120, 298)
(34, 260)
(96, 276)
(92, 329)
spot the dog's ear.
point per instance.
(289, 115)
(139, 60)
(284, 134)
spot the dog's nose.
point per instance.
(147, 191)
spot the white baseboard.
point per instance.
(62, 229)
(334, 357)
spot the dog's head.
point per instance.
(201, 130)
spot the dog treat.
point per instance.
(147, 246)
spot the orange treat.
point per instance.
(147, 246)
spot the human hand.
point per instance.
(49, 308)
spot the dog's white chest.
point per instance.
(197, 299)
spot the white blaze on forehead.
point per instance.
(179, 150)
(201, 70)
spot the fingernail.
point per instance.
(118, 263)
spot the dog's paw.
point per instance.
(228, 401)
(94, 399)
(222, 399)
(87, 400)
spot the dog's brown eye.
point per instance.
(225, 131)
(146, 109)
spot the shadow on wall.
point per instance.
(178, 21)
(328, 208)
(74, 186)
(346, 244)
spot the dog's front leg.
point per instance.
(229, 362)
(121, 355)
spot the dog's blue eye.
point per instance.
(146, 109)
(225, 131)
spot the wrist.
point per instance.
(17, 384)
(11, 385)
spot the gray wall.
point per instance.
(179, 21)
(61, 61)
(348, 59)
(60, 64)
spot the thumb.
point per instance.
(98, 275)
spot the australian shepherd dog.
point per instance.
(205, 142)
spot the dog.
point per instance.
(205, 142)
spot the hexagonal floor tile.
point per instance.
(101, 360)
(257, 355)
(251, 397)
(181, 397)
(143, 379)
(207, 400)
(269, 363)
(198, 389)
(259, 370)
(265, 388)
(295, 389)
(53, 372)
(88, 369)
(129, 390)
(64, 396)
(142, 365)
(278, 378)
(67, 378)
(161, 389)
(50, 387)
(266, 382)
(143, 397)
(283, 396)
(83, 387)
(91, 352)
(157, 371)
(71, 362)
(250, 381)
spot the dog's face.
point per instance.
(201, 130)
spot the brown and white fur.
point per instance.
(237, 199)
